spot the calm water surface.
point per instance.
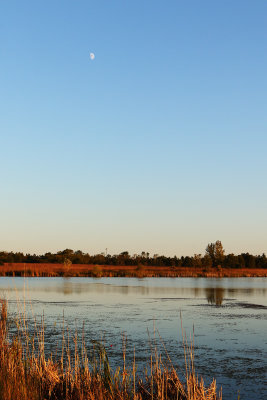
(228, 315)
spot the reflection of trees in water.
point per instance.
(69, 288)
(143, 287)
(215, 295)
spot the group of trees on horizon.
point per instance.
(214, 257)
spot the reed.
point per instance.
(81, 270)
(26, 373)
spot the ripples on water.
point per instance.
(229, 316)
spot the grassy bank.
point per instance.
(26, 373)
(140, 271)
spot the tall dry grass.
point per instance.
(140, 271)
(26, 373)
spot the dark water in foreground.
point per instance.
(229, 316)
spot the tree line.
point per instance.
(214, 257)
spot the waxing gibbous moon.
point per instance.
(92, 56)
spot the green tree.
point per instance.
(206, 261)
(197, 260)
(215, 252)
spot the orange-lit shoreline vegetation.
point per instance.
(27, 373)
(214, 263)
(214, 258)
(140, 271)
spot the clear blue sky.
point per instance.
(158, 145)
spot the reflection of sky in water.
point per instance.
(83, 289)
(229, 316)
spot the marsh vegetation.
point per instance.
(27, 373)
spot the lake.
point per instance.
(227, 315)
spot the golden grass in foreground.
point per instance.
(27, 374)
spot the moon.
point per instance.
(92, 56)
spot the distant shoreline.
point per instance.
(140, 271)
